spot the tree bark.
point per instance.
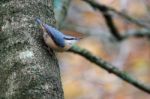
(27, 69)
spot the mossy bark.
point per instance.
(27, 69)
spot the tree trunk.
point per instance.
(27, 69)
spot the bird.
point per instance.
(56, 39)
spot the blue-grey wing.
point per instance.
(68, 37)
(56, 35)
(70, 40)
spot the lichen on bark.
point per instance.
(27, 69)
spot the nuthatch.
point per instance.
(55, 39)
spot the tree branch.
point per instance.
(127, 17)
(137, 33)
(108, 18)
(110, 68)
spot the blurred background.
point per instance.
(82, 79)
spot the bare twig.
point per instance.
(108, 18)
(110, 68)
(137, 33)
(127, 17)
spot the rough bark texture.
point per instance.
(27, 69)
